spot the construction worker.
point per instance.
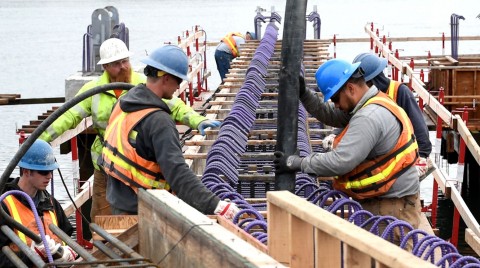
(228, 49)
(403, 96)
(142, 149)
(114, 58)
(374, 157)
(36, 172)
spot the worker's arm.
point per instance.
(366, 137)
(71, 118)
(325, 112)
(183, 113)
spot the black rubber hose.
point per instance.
(35, 134)
(292, 56)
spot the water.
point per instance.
(41, 41)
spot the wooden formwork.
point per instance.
(301, 234)
(461, 81)
(173, 234)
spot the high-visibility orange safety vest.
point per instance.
(375, 177)
(392, 90)
(121, 160)
(24, 215)
(228, 39)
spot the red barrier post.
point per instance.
(438, 144)
(76, 175)
(334, 46)
(443, 43)
(460, 172)
(395, 69)
(420, 100)
(412, 65)
(182, 95)
(190, 84)
(199, 80)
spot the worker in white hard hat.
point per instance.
(114, 58)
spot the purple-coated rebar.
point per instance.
(467, 260)
(253, 212)
(445, 247)
(388, 233)
(414, 236)
(259, 223)
(359, 217)
(339, 206)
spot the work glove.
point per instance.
(40, 248)
(207, 123)
(301, 86)
(327, 142)
(68, 255)
(424, 168)
(226, 209)
(287, 163)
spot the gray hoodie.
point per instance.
(157, 140)
(373, 131)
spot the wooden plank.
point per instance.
(264, 156)
(329, 249)
(114, 224)
(129, 238)
(240, 233)
(472, 240)
(278, 236)
(116, 221)
(301, 233)
(80, 198)
(254, 132)
(249, 142)
(184, 237)
(350, 234)
(356, 258)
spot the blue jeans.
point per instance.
(223, 60)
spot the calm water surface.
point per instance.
(41, 42)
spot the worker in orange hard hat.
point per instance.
(228, 49)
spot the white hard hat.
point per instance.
(113, 49)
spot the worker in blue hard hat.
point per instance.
(403, 96)
(228, 49)
(115, 60)
(250, 36)
(142, 148)
(36, 172)
(373, 157)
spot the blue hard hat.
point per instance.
(39, 157)
(253, 35)
(332, 75)
(371, 64)
(170, 59)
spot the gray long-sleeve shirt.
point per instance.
(372, 131)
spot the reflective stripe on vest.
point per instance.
(120, 160)
(375, 177)
(230, 42)
(392, 91)
(24, 215)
